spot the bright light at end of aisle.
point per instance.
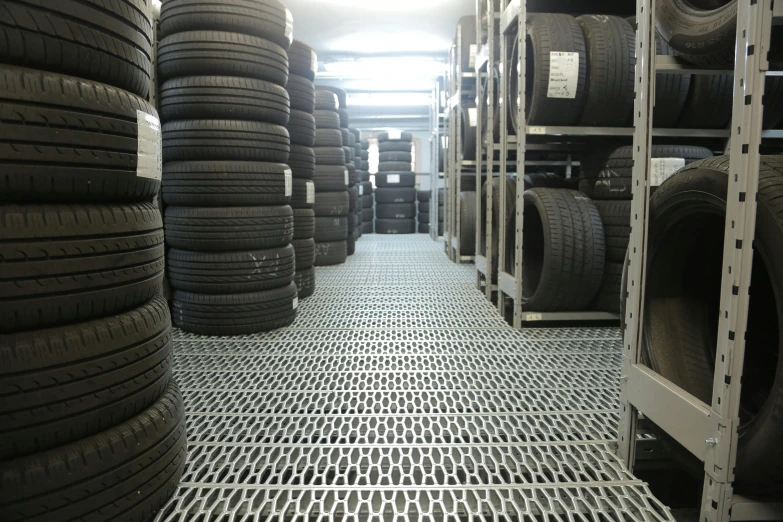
(385, 5)
(390, 42)
(385, 67)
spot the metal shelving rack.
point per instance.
(437, 115)
(708, 431)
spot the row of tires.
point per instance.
(395, 208)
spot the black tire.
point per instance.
(53, 396)
(402, 137)
(329, 156)
(368, 227)
(225, 140)
(328, 253)
(305, 254)
(467, 237)
(424, 207)
(54, 145)
(395, 226)
(302, 193)
(685, 256)
(709, 102)
(395, 179)
(305, 282)
(549, 33)
(330, 178)
(62, 264)
(365, 144)
(301, 129)
(616, 218)
(608, 297)
(564, 253)
(353, 199)
(396, 211)
(348, 141)
(328, 138)
(331, 204)
(267, 19)
(304, 223)
(368, 201)
(342, 96)
(345, 118)
(230, 272)
(302, 162)
(224, 98)
(350, 245)
(423, 217)
(109, 42)
(607, 174)
(441, 213)
(423, 196)
(423, 228)
(301, 91)
(225, 183)
(368, 214)
(469, 131)
(357, 134)
(333, 228)
(216, 53)
(327, 120)
(773, 102)
(325, 100)
(223, 229)
(91, 479)
(394, 166)
(365, 155)
(467, 27)
(611, 62)
(364, 175)
(394, 146)
(671, 91)
(365, 189)
(302, 60)
(235, 314)
(395, 195)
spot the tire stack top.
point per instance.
(395, 211)
(226, 181)
(366, 197)
(332, 178)
(84, 330)
(303, 64)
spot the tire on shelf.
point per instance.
(564, 254)
(368, 214)
(326, 119)
(423, 207)
(325, 100)
(395, 226)
(109, 43)
(423, 196)
(467, 29)
(467, 238)
(687, 220)
(144, 454)
(302, 162)
(229, 228)
(328, 138)
(368, 227)
(302, 193)
(671, 91)
(304, 223)
(423, 228)
(55, 145)
(616, 218)
(469, 128)
(225, 183)
(608, 297)
(329, 229)
(709, 102)
(301, 91)
(305, 282)
(225, 140)
(330, 178)
(235, 314)
(345, 118)
(61, 264)
(350, 244)
(367, 202)
(396, 211)
(329, 156)
(611, 59)
(328, 253)
(394, 166)
(305, 254)
(394, 146)
(301, 129)
(342, 96)
(230, 272)
(399, 137)
(217, 53)
(395, 179)
(302, 60)
(331, 204)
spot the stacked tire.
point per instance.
(303, 64)
(227, 185)
(366, 191)
(441, 211)
(356, 204)
(423, 211)
(86, 387)
(395, 197)
(332, 180)
(606, 179)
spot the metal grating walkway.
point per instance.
(400, 395)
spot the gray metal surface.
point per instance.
(399, 395)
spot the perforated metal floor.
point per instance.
(399, 394)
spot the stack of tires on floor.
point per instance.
(357, 189)
(441, 211)
(423, 211)
(395, 197)
(91, 422)
(367, 199)
(332, 179)
(303, 64)
(227, 184)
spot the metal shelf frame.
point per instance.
(708, 431)
(436, 109)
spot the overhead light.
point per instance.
(389, 68)
(389, 99)
(385, 5)
(392, 42)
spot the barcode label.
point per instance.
(310, 192)
(289, 183)
(392, 178)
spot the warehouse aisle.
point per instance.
(400, 394)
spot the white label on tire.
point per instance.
(346, 177)
(296, 302)
(289, 26)
(361, 190)
(392, 178)
(289, 183)
(563, 75)
(395, 135)
(472, 116)
(310, 192)
(150, 154)
(664, 168)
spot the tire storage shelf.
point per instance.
(735, 435)
(437, 153)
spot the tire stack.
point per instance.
(303, 64)
(395, 211)
(89, 412)
(366, 191)
(441, 211)
(423, 211)
(331, 182)
(226, 147)
(606, 179)
(356, 206)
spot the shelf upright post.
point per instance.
(452, 154)
(457, 170)
(521, 147)
(479, 150)
(503, 115)
(490, 131)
